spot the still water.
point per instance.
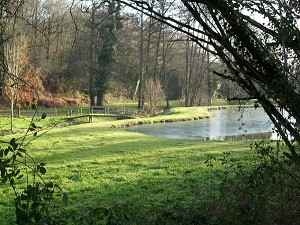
(227, 124)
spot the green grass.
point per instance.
(98, 165)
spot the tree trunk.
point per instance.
(141, 77)
(100, 97)
(187, 73)
(157, 52)
(209, 85)
(135, 88)
(91, 63)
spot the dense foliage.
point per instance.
(98, 52)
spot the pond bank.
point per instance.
(173, 115)
(177, 114)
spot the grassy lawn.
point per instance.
(98, 165)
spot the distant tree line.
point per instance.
(99, 51)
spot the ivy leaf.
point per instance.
(12, 142)
(42, 170)
(44, 115)
(33, 107)
(19, 154)
(6, 151)
(49, 185)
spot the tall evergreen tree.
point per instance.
(107, 33)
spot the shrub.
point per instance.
(58, 102)
(34, 203)
(153, 93)
(265, 191)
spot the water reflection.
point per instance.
(229, 124)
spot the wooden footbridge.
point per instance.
(106, 111)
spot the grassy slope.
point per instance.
(100, 165)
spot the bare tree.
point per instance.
(8, 13)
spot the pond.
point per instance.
(227, 124)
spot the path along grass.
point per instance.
(98, 165)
